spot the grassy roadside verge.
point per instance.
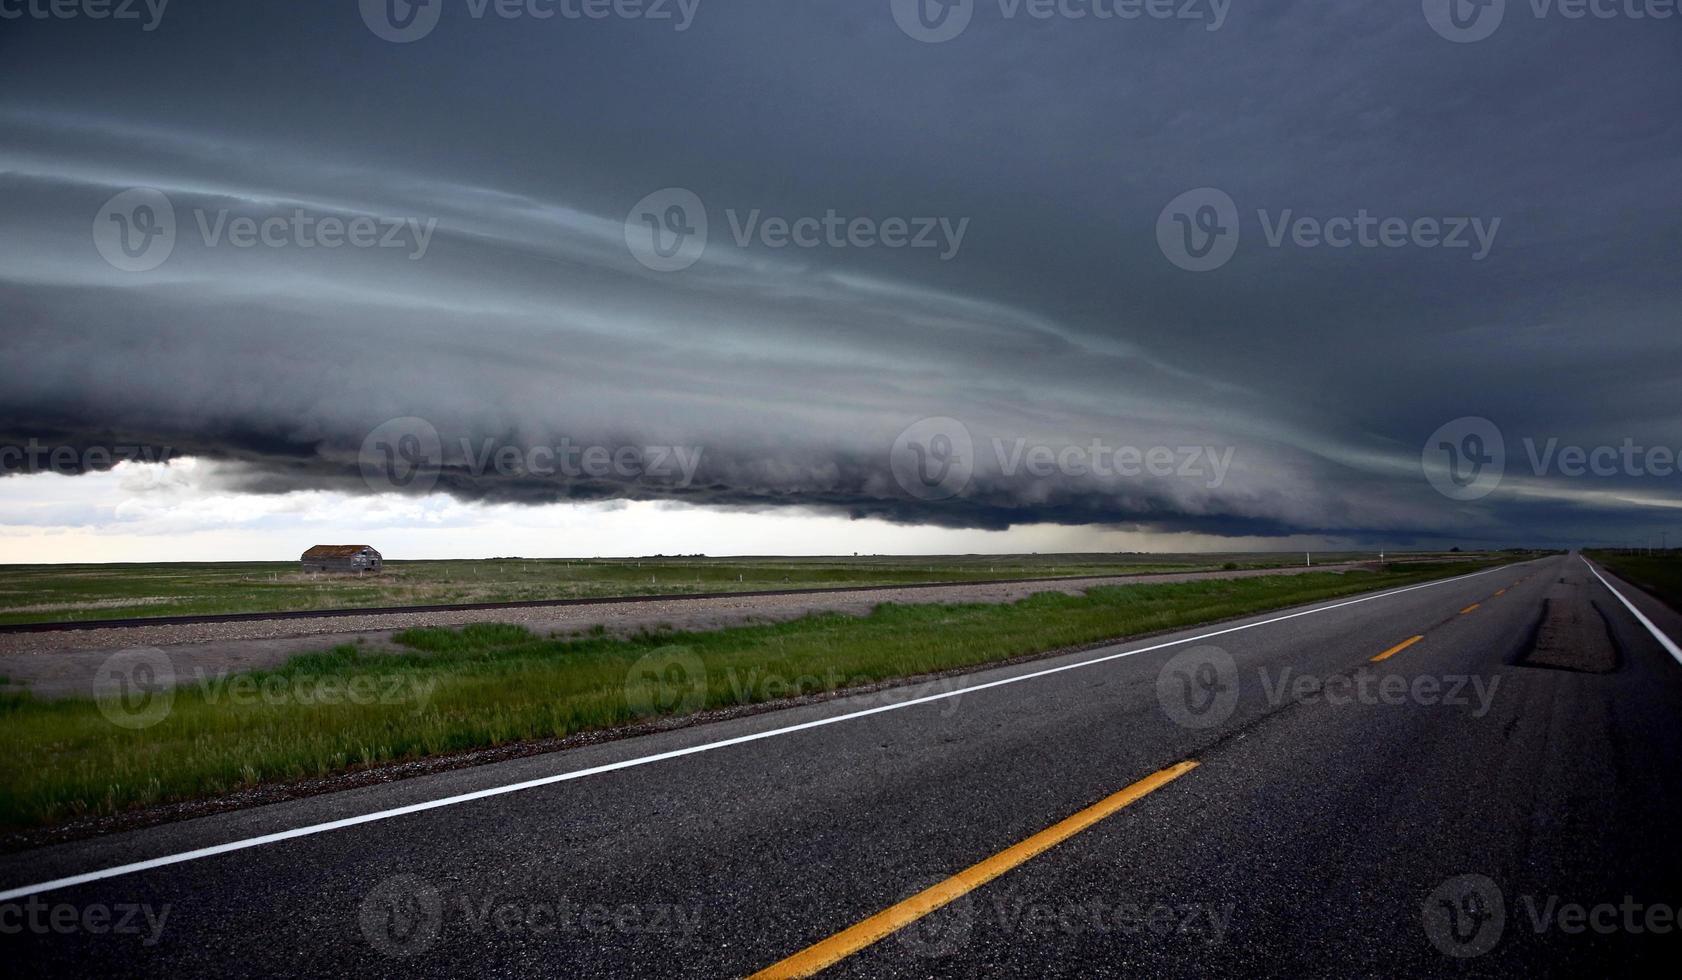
(491, 685)
(1659, 574)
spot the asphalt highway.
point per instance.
(1496, 796)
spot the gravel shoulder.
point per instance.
(64, 663)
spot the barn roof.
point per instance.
(336, 550)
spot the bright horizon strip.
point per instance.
(23, 891)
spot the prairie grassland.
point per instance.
(491, 685)
(62, 593)
(1660, 574)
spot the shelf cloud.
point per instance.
(794, 258)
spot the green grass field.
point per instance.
(59, 593)
(1660, 574)
(492, 685)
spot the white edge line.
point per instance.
(321, 828)
(1658, 634)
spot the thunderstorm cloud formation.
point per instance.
(500, 170)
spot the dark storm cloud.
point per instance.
(525, 320)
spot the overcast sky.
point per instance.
(455, 283)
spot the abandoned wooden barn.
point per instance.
(341, 558)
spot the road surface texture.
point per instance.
(1497, 798)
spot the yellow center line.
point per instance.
(1398, 648)
(1470, 608)
(1500, 592)
(890, 920)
